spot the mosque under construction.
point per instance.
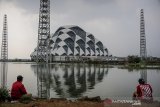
(72, 43)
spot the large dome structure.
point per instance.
(74, 41)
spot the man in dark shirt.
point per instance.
(18, 89)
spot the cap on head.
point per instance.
(19, 78)
(141, 81)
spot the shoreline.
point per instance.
(129, 66)
(83, 102)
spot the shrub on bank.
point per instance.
(4, 94)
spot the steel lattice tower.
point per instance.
(143, 52)
(4, 48)
(43, 50)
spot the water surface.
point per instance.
(77, 80)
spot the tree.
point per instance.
(133, 59)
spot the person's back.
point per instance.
(144, 91)
(18, 89)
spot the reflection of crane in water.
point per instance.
(4, 70)
(143, 74)
(43, 81)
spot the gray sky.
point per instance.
(114, 22)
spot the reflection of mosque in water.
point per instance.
(68, 80)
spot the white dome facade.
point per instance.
(74, 41)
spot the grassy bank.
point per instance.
(139, 66)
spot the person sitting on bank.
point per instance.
(143, 91)
(18, 89)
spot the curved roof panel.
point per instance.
(72, 40)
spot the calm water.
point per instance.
(76, 80)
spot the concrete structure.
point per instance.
(72, 42)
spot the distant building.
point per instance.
(72, 41)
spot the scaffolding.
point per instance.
(143, 52)
(43, 49)
(4, 47)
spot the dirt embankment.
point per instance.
(85, 102)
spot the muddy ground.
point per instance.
(66, 103)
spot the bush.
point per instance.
(4, 94)
(27, 98)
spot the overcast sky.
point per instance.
(114, 22)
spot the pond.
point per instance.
(69, 80)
